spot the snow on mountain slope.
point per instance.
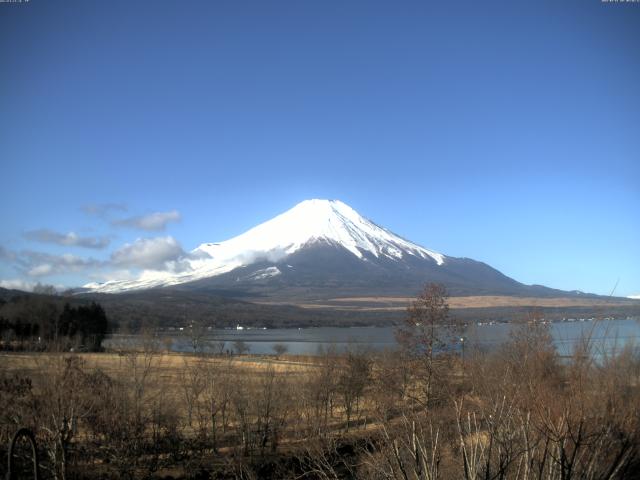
(309, 222)
(314, 220)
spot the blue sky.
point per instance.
(507, 132)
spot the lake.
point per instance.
(607, 335)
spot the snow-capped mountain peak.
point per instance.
(309, 222)
(315, 220)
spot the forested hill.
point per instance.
(35, 321)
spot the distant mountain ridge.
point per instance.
(324, 248)
(321, 263)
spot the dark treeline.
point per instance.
(45, 322)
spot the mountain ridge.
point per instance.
(323, 249)
(307, 223)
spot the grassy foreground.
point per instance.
(518, 413)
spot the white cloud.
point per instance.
(40, 270)
(103, 209)
(17, 284)
(160, 253)
(152, 222)
(147, 254)
(67, 239)
(38, 264)
(27, 286)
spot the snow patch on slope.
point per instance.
(265, 273)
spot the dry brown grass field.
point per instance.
(167, 365)
(479, 301)
(519, 412)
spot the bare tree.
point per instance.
(241, 398)
(427, 330)
(192, 379)
(320, 389)
(391, 383)
(241, 347)
(354, 377)
(167, 343)
(280, 349)
(407, 449)
(216, 398)
(44, 289)
(197, 336)
(271, 408)
(65, 400)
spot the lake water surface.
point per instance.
(607, 336)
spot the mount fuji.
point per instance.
(322, 249)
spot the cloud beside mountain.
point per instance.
(148, 253)
(153, 222)
(39, 264)
(70, 239)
